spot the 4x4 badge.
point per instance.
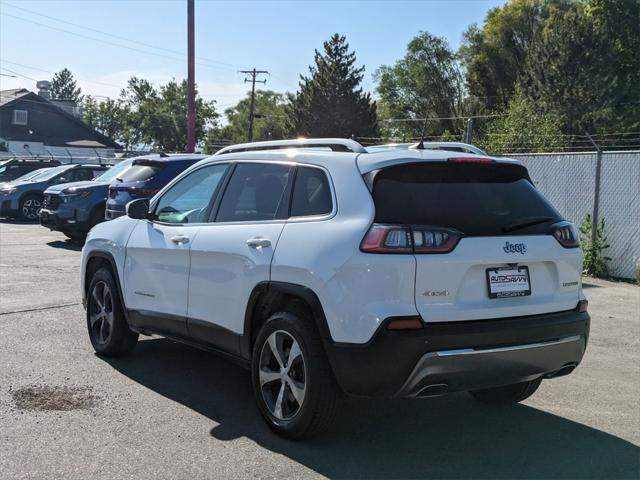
(514, 248)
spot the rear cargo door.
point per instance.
(506, 261)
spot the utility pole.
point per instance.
(252, 114)
(596, 192)
(191, 82)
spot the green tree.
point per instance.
(110, 118)
(64, 86)
(426, 82)
(330, 102)
(270, 120)
(522, 129)
(159, 115)
(495, 54)
(585, 69)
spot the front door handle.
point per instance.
(258, 242)
(180, 239)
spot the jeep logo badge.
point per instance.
(514, 248)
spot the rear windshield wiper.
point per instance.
(526, 222)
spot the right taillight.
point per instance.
(409, 239)
(566, 234)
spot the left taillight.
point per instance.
(566, 234)
(381, 238)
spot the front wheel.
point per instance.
(30, 207)
(292, 381)
(514, 393)
(108, 330)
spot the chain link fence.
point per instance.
(568, 181)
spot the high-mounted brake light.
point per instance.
(409, 239)
(470, 160)
(566, 234)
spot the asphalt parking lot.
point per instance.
(170, 411)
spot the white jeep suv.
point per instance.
(331, 270)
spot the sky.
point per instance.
(105, 42)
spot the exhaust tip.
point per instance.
(434, 390)
(566, 370)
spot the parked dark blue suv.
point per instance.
(74, 208)
(145, 178)
(24, 198)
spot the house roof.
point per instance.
(8, 97)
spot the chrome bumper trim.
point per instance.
(473, 369)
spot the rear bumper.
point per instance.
(459, 356)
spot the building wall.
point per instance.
(45, 123)
(568, 181)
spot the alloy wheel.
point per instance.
(31, 209)
(101, 313)
(282, 375)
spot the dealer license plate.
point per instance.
(508, 282)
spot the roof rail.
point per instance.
(335, 144)
(451, 146)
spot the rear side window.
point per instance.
(311, 193)
(140, 172)
(256, 192)
(475, 199)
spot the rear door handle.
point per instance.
(180, 239)
(258, 242)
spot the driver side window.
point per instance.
(188, 200)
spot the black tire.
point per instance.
(321, 393)
(115, 338)
(30, 206)
(514, 393)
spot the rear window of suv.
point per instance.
(140, 172)
(475, 199)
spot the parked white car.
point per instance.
(327, 269)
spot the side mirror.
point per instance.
(138, 209)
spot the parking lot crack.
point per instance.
(49, 307)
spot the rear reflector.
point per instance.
(582, 306)
(404, 323)
(470, 160)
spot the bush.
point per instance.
(594, 260)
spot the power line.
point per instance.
(19, 74)
(53, 73)
(400, 120)
(146, 52)
(231, 66)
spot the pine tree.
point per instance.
(63, 86)
(330, 103)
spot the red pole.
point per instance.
(191, 88)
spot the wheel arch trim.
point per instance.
(291, 289)
(112, 262)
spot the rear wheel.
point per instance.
(514, 393)
(292, 381)
(30, 207)
(108, 330)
